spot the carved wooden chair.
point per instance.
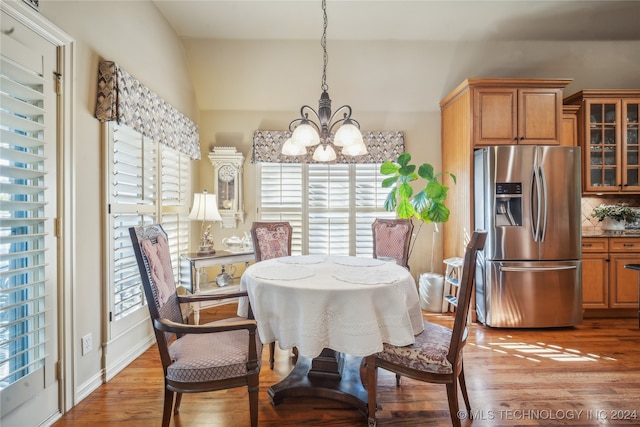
(195, 358)
(391, 239)
(436, 356)
(271, 240)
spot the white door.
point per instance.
(29, 327)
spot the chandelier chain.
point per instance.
(323, 43)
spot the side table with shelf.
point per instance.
(452, 276)
(199, 262)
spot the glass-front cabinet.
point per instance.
(608, 135)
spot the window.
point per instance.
(148, 183)
(330, 206)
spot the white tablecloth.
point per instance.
(349, 304)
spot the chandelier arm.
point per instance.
(347, 116)
(304, 118)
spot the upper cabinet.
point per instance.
(608, 135)
(525, 115)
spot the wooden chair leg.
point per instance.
(272, 354)
(465, 395)
(452, 396)
(168, 406)
(176, 407)
(372, 385)
(398, 380)
(253, 402)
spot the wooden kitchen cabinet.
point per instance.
(481, 112)
(623, 282)
(569, 126)
(507, 116)
(608, 134)
(606, 284)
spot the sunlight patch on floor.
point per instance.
(538, 351)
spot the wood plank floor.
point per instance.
(583, 376)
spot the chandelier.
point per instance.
(307, 133)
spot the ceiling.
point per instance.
(452, 20)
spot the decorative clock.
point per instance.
(227, 168)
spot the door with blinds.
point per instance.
(29, 335)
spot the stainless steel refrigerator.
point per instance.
(528, 200)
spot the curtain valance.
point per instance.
(124, 99)
(381, 146)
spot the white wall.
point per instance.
(136, 36)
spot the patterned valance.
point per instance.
(381, 146)
(124, 99)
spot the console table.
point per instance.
(198, 262)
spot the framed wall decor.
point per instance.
(227, 171)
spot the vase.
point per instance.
(610, 224)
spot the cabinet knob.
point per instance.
(628, 245)
(587, 245)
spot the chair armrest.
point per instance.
(182, 299)
(166, 325)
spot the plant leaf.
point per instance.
(404, 159)
(405, 209)
(407, 170)
(426, 171)
(438, 213)
(405, 191)
(388, 182)
(388, 168)
(390, 201)
(420, 201)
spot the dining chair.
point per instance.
(436, 355)
(271, 240)
(391, 239)
(195, 358)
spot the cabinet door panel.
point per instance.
(595, 287)
(539, 116)
(624, 282)
(495, 116)
(630, 136)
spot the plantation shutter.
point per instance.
(28, 257)
(133, 195)
(149, 183)
(281, 197)
(330, 206)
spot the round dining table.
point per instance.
(334, 310)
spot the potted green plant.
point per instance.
(426, 205)
(614, 217)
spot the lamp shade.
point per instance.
(305, 135)
(204, 207)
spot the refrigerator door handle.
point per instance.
(568, 267)
(543, 182)
(535, 204)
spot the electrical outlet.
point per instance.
(87, 344)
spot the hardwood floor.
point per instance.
(583, 376)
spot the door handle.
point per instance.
(568, 267)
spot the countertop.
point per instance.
(596, 232)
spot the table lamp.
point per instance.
(205, 209)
